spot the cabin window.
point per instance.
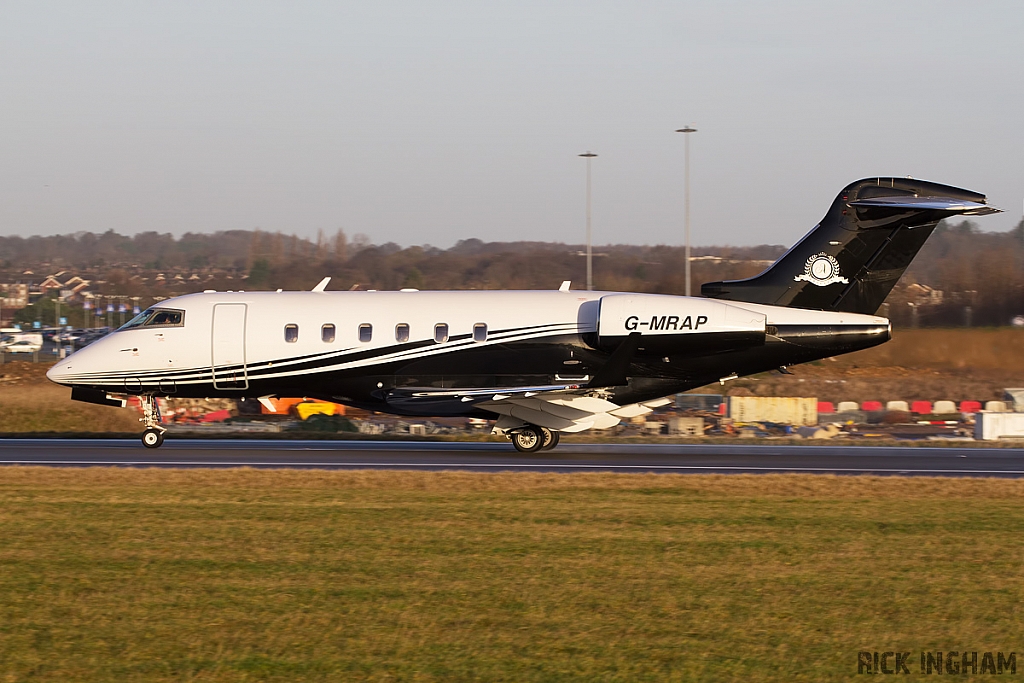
(441, 332)
(402, 332)
(327, 333)
(480, 332)
(365, 332)
(291, 333)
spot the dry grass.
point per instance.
(114, 575)
(46, 407)
(947, 349)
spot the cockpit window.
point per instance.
(157, 317)
(139, 320)
(165, 317)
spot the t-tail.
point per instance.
(852, 259)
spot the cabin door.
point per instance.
(228, 347)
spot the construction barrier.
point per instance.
(921, 407)
(310, 408)
(780, 410)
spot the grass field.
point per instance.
(135, 575)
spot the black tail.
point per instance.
(853, 258)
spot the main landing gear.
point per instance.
(153, 437)
(531, 438)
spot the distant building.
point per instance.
(50, 283)
(13, 297)
(70, 287)
(923, 295)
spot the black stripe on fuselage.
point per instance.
(300, 364)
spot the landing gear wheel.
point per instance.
(152, 438)
(528, 440)
(550, 440)
(154, 434)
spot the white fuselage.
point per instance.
(350, 346)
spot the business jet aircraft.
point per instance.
(538, 362)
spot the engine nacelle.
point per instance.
(678, 324)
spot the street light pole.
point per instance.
(687, 129)
(590, 256)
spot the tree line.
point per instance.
(981, 274)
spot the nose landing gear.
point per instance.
(153, 437)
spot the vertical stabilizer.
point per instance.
(852, 259)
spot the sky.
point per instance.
(431, 122)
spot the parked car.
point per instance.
(23, 346)
(21, 339)
(71, 335)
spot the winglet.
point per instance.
(565, 286)
(322, 285)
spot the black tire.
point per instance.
(528, 440)
(551, 441)
(152, 438)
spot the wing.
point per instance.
(562, 407)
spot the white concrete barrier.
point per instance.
(847, 406)
(1001, 425)
(944, 408)
(686, 426)
(654, 427)
(900, 406)
(995, 406)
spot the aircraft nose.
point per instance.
(59, 373)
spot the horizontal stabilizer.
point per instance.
(953, 206)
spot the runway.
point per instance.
(497, 457)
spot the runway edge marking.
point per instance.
(523, 466)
